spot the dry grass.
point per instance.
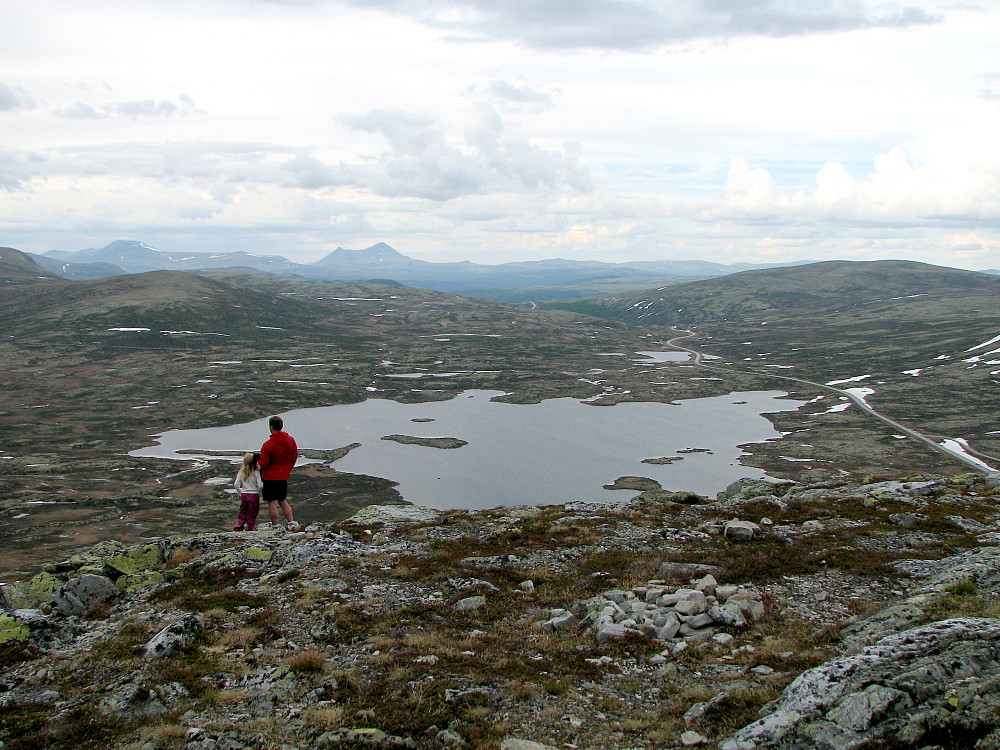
(326, 719)
(179, 556)
(310, 661)
(241, 638)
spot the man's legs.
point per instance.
(286, 511)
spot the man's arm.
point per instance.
(265, 456)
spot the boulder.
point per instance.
(731, 616)
(707, 585)
(693, 739)
(133, 561)
(559, 620)
(611, 631)
(938, 680)
(174, 637)
(668, 629)
(740, 531)
(470, 603)
(80, 595)
(512, 743)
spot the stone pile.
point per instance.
(660, 612)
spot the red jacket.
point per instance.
(277, 456)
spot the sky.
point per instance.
(761, 131)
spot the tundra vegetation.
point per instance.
(132, 623)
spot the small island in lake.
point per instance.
(427, 442)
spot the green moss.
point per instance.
(35, 592)
(135, 560)
(139, 580)
(12, 629)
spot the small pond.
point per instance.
(557, 451)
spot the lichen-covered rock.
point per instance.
(174, 637)
(80, 595)
(129, 583)
(12, 629)
(33, 593)
(133, 561)
(939, 678)
(395, 515)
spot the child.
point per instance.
(249, 484)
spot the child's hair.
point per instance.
(249, 466)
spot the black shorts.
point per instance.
(274, 490)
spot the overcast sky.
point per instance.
(496, 130)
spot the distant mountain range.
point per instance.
(512, 282)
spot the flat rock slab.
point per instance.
(395, 514)
(935, 679)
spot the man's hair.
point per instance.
(276, 423)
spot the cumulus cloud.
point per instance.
(16, 168)
(14, 98)
(131, 109)
(530, 98)
(646, 24)
(895, 193)
(424, 163)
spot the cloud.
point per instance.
(130, 109)
(647, 24)
(894, 194)
(532, 99)
(990, 88)
(424, 163)
(14, 98)
(16, 168)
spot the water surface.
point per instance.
(557, 451)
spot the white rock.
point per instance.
(470, 603)
(691, 739)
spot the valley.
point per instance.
(91, 369)
(673, 618)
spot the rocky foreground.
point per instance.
(833, 615)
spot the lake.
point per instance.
(558, 451)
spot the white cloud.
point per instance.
(648, 24)
(619, 129)
(134, 108)
(894, 193)
(425, 163)
(526, 96)
(14, 98)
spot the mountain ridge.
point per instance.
(514, 281)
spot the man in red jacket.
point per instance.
(277, 457)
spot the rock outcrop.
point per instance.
(937, 680)
(639, 625)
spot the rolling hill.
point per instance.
(916, 336)
(831, 287)
(17, 268)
